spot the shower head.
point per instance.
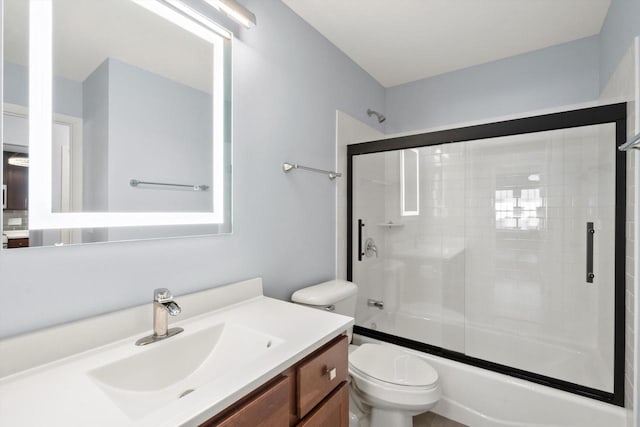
(381, 117)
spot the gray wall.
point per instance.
(559, 75)
(288, 83)
(160, 131)
(565, 74)
(95, 139)
(621, 25)
(144, 126)
(67, 94)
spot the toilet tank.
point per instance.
(335, 296)
(338, 296)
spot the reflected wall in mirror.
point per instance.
(122, 109)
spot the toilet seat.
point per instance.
(381, 395)
(393, 379)
(392, 366)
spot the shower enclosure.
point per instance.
(498, 245)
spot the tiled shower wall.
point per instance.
(621, 88)
(9, 214)
(505, 288)
(629, 285)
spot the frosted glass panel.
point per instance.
(528, 199)
(410, 182)
(493, 262)
(419, 271)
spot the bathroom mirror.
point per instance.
(121, 113)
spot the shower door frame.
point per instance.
(613, 113)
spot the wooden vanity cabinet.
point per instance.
(333, 411)
(268, 406)
(312, 393)
(16, 178)
(18, 243)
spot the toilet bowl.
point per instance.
(392, 384)
(388, 384)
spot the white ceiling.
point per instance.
(399, 41)
(86, 32)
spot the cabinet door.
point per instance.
(18, 243)
(268, 407)
(16, 179)
(333, 411)
(319, 374)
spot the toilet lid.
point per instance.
(392, 365)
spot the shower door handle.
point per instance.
(590, 232)
(360, 253)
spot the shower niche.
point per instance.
(498, 245)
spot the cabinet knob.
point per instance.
(331, 373)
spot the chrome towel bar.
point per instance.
(287, 167)
(632, 143)
(194, 187)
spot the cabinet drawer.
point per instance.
(318, 375)
(334, 411)
(18, 243)
(267, 407)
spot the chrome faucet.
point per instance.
(163, 306)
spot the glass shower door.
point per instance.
(530, 304)
(499, 252)
(410, 203)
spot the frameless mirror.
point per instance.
(120, 113)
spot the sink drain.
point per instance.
(269, 344)
(184, 393)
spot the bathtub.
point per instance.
(430, 324)
(480, 398)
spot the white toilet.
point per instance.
(390, 383)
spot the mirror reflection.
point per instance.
(410, 182)
(132, 131)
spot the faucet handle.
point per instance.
(162, 295)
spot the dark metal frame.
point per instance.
(614, 113)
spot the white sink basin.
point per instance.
(167, 370)
(223, 354)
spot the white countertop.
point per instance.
(16, 234)
(61, 393)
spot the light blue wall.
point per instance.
(161, 131)
(559, 75)
(621, 25)
(288, 83)
(95, 139)
(67, 94)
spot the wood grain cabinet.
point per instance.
(333, 411)
(312, 393)
(266, 407)
(18, 243)
(16, 178)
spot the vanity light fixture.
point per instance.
(19, 161)
(186, 17)
(406, 163)
(235, 11)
